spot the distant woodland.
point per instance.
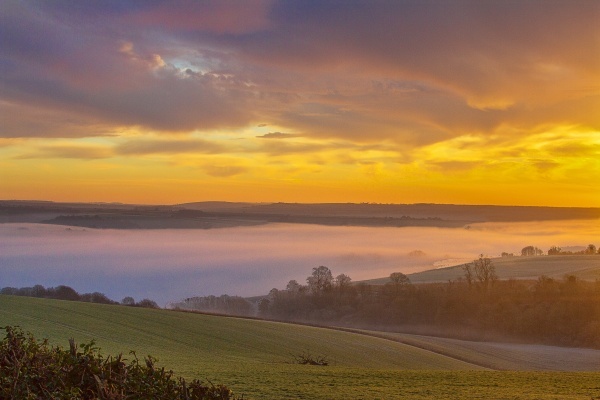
(478, 306)
(63, 292)
(208, 215)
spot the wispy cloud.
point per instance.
(83, 152)
(278, 135)
(168, 146)
(224, 171)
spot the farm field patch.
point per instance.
(254, 358)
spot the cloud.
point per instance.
(417, 72)
(18, 120)
(277, 135)
(170, 146)
(417, 76)
(219, 171)
(84, 152)
(223, 17)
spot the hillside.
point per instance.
(504, 356)
(207, 215)
(254, 357)
(585, 267)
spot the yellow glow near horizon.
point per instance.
(543, 168)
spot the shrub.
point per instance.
(31, 369)
(307, 358)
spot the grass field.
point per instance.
(585, 267)
(254, 357)
(504, 356)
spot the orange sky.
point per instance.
(392, 102)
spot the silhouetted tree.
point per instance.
(263, 306)
(128, 301)
(63, 292)
(147, 303)
(321, 280)
(342, 281)
(485, 271)
(591, 249)
(531, 251)
(293, 286)
(469, 274)
(554, 251)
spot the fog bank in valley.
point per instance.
(167, 265)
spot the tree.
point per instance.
(321, 280)
(263, 306)
(398, 278)
(469, 275)
(293, 286)
(147, 303)
(591, 249)
(342, 281)
(63, 292)
(554, 251)
(531, 251)
(399, 281)
(128, 301)
(485, 271)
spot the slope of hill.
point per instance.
(254, 358)
(504, 356)
(452, 212)
(585, 267)
(205, 215)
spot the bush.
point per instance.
(31, 369)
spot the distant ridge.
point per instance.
(454, 212)
(218, 214)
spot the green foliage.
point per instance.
(31, 369)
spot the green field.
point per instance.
(504, 356)
(254, 358)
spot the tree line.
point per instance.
(554, 251)
(545, 310)
(63, 292)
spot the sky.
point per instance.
(467, 102)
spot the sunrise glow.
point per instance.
(386, 102)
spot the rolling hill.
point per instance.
(585, 267)
(254, 358)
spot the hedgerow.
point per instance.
(32, 369)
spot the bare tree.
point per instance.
(485, 271)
